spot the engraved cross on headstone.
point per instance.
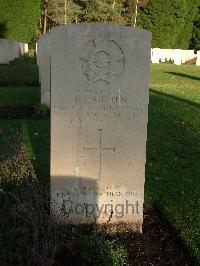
(101, 149)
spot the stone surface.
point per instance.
(183, 56)
(44, 63)
(177, 56)
(162, 55)
(23, 48)
(168, 54)
(187, 55)
(99, 113)
(198, 58)
(9, 50)
(155, 57)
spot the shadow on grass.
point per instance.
(184, 75)
(38, 135)
(172, 168)
(25, 215)
(35, 134)
(176, 98)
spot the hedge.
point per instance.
(19, 19)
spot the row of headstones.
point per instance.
(9, 50)
(43, 61)
(177, 56)
(98, 75)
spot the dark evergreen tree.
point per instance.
(185, 34)
(170, 21)
(195, 40)
(130, 14)
(104, 11)
(19, 19)
(64, 11)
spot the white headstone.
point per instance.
(99, 113)
(44, 63)
(9, 50)
(23, 48)
(162, 55)
(177, 56)
(168, 54)
(198, 58)
(155, 55)
(4, 59)
(183, 56)
(190, 55)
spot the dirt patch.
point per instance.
(158, 245)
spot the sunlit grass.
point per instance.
(173, 146)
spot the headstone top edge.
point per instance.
(43, 37)
(93, 26)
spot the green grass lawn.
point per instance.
(179, 81)
(15, 96)
(35, 134)
(173, 146)
(19, 83)
(20, 72)
(173, 165)
(173, 149)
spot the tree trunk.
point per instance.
(45, 16)
(136, 13)
(65, 12)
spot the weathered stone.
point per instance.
(198, 58)
(177, 57)
(9, 50)
(99, 112)
(155, 58)
(44, 63)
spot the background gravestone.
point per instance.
(99, 110)
(44, 63)
(198, 58)
(155, 58)
(177, 57)
(9, 50)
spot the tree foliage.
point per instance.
(19, 19)
(57, 8)
(174, 23)
(75, 11)
(104, 11)
(195, 40)
(171, 22)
